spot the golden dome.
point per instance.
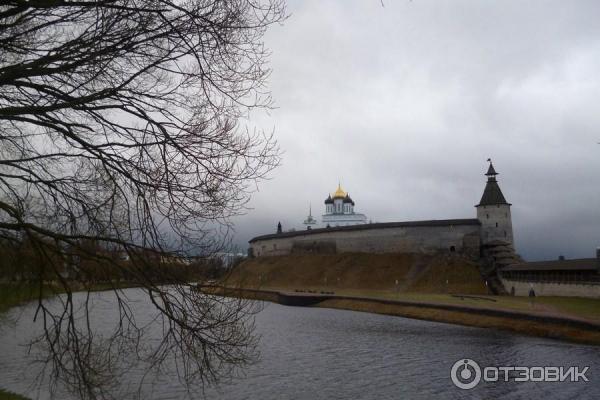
(339, 193)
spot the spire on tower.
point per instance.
(310, 219)
(492, 193)
(491, 172)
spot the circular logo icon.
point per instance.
(465, 374)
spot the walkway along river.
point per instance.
(534, 322)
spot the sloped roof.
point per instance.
(491, 170)
(579, 264)
(492, 194)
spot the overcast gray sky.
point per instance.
(404, 103)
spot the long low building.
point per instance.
(577, 277)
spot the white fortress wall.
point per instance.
(568, 289)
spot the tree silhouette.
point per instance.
(120, 139)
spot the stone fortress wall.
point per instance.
(493, 225)
(428, 237)
(487, 238)
(565, 289)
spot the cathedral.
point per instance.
(339, 211)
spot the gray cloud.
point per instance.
(404, 103)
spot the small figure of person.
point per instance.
(279, 227)
(531, 296)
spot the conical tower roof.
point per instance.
(491, 171)
(492, 195)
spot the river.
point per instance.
(313, 353)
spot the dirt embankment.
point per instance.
(359, 271)
(367, 282)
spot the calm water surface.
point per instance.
(310, 353)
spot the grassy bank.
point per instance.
(534, 327)
(4, 395)
(408, 272)
(436, 282)
(573, 307)
(483, 312)
(12, 295)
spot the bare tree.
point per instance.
(120, 126)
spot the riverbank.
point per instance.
(4, 395)
(12, 295)
(478, 311)
(443, 288)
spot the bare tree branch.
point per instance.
(120, 148)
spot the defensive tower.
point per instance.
(493, 211)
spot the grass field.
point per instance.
(375, 275)
(14, 294)
(10, 396)
(564, 306)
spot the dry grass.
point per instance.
(532, 328)
(374, 276)
(361, 271)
